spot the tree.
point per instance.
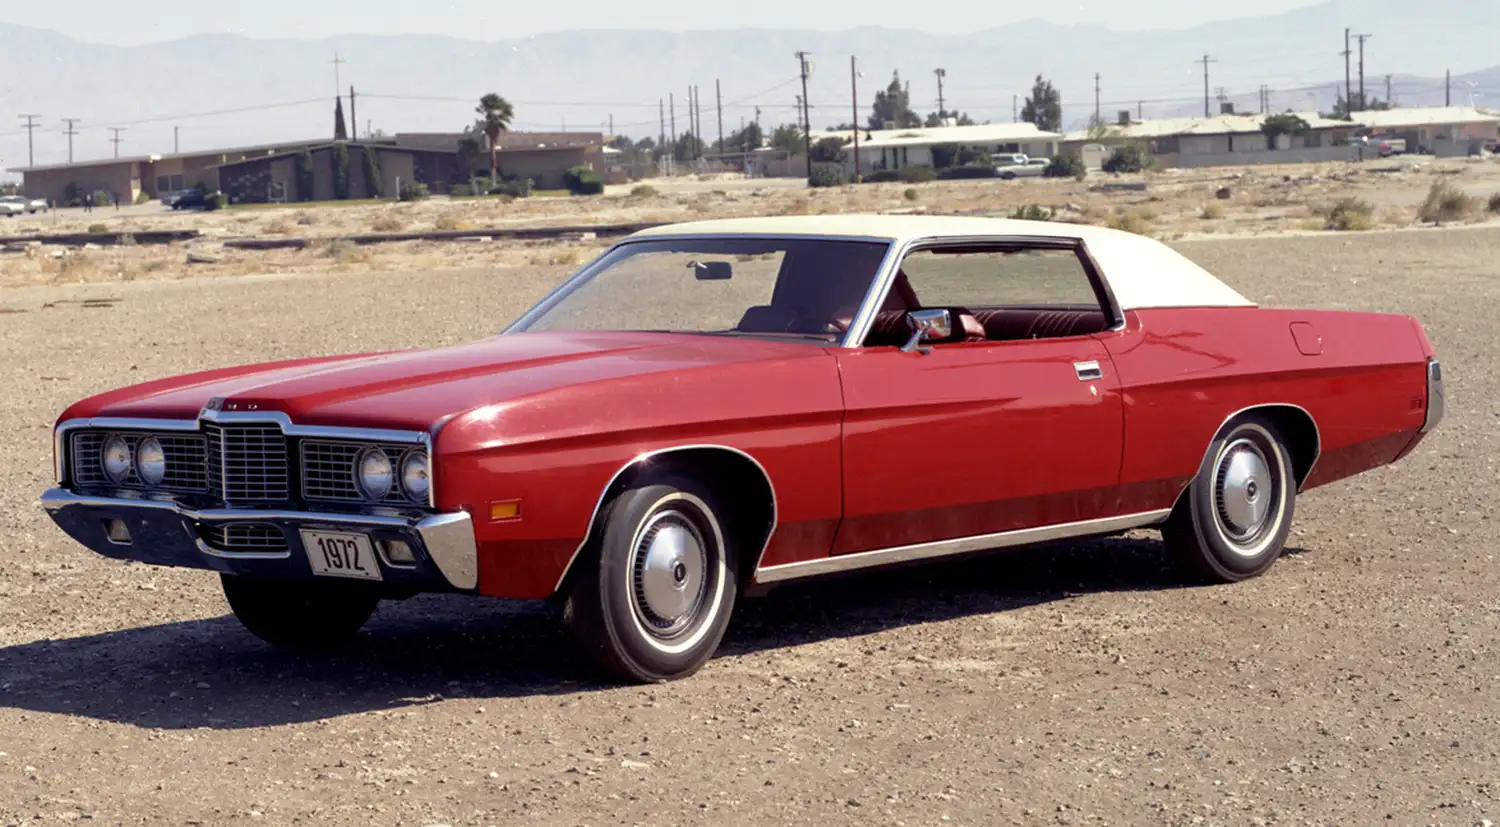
(787, 138)
(1362, 103)
(688, 147)
(305, 176)
(340, 158)
(828, 151)
(937, 118)
(1044, 107)
(495, 115)
(373, 184)
(468, 150)
(893, 105)
(747, 139)
(1284, 124)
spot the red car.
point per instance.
(709, 409)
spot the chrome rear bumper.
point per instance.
(166, 533)
(1437, 402)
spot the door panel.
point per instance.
(973, 439)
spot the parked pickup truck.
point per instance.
(13, 205)
(1024, 168)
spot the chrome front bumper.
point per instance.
(166, 533)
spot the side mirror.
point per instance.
(712, 270)
(927, 326)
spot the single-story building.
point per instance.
(1227, 139)
(446, 158)
(898, 148)
(126, 178)
(1442, 130)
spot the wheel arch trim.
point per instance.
(591, 530)
(1262, 406)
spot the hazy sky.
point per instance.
(144, 21)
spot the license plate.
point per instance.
(341, 555)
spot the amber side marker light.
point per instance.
(506, 511)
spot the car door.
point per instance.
(1019, 430)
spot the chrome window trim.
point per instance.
(541, 306)
(956, 546)
(647, 456)
(278, 418)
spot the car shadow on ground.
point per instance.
(211, 673)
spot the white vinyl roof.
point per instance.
(1142, 272)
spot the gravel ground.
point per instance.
(1359, 682)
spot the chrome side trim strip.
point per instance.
(962, 545)
(646, 457)
(1437, 398)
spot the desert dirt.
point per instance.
(1357, 683)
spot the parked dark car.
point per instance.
(191, 199)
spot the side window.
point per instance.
(1012, 292)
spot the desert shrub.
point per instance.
(828, 151)
(448, 221)
(966, 173)
(515, 189)
(969, 156)
(1128, 159)
(1130, 221)
(1351, 215)
(910, 194)
(143, 198)
(340, 160)
(215, 201)
(1494, 203)
(643, 191)
(387, 223)
(826, 175)
(461, 190)
(1445, 202)
(1033, 212)
(281, 226)
(98, 228)
(916, 175)
(414, 191)
(882, 176)
(1066, 166)
(306, 219)
(580, 180)
(1213, 211)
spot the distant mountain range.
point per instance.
(283, 89)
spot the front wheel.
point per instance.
(299, 614)
(1233, 522)
(654, 593)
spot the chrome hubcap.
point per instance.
(669, 573)
(1244, 491)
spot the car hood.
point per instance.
(417, 389)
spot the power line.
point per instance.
(31, 126)
(942, 109)
(1362, 38)
(70, 132)
(1206, 60)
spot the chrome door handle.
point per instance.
(1088, 371)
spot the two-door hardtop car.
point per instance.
(715, 407)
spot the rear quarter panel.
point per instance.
(556, 452)
(1185, 371)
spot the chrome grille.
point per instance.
(185, 455)
(244, 538)
(328, 470)
(248, 463)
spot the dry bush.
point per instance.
(1130, 221)
(1446, 202)
(449, 221)
(305, 219)
(387, 223)
(281, 226)
(1213, 211)
(1350, 215)
(1494, 203)
(644, 191)
(910, 194)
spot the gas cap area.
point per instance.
(1309, 343)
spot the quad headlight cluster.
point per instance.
(148, 460)
(377, 474)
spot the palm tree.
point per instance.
(495, 114)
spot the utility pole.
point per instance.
(719, 104)
(31, 126)
(353, 118)
(70, 132)
(854, 99)
(661, 114)
(1363, 101)
(1389, 100)
(672, 109)
(942, 108)
(1205, 61)
(1098, 112)
(1140, 111)
(176, 140)
(116, 139)
(1223, 97)
(1448, 87)
(611, 124)
(1348, 80)
(758, 133)
(1015, 108)
(806, 118)
(698, 116)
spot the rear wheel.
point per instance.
(300, 614)
(1233, 522)
(653, 595)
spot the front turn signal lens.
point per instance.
(504, 511)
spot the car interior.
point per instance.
(1000, 323)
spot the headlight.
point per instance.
(414, 476)
(116, 459)
(151, 461)
(374, 473)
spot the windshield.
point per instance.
(787, 289)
